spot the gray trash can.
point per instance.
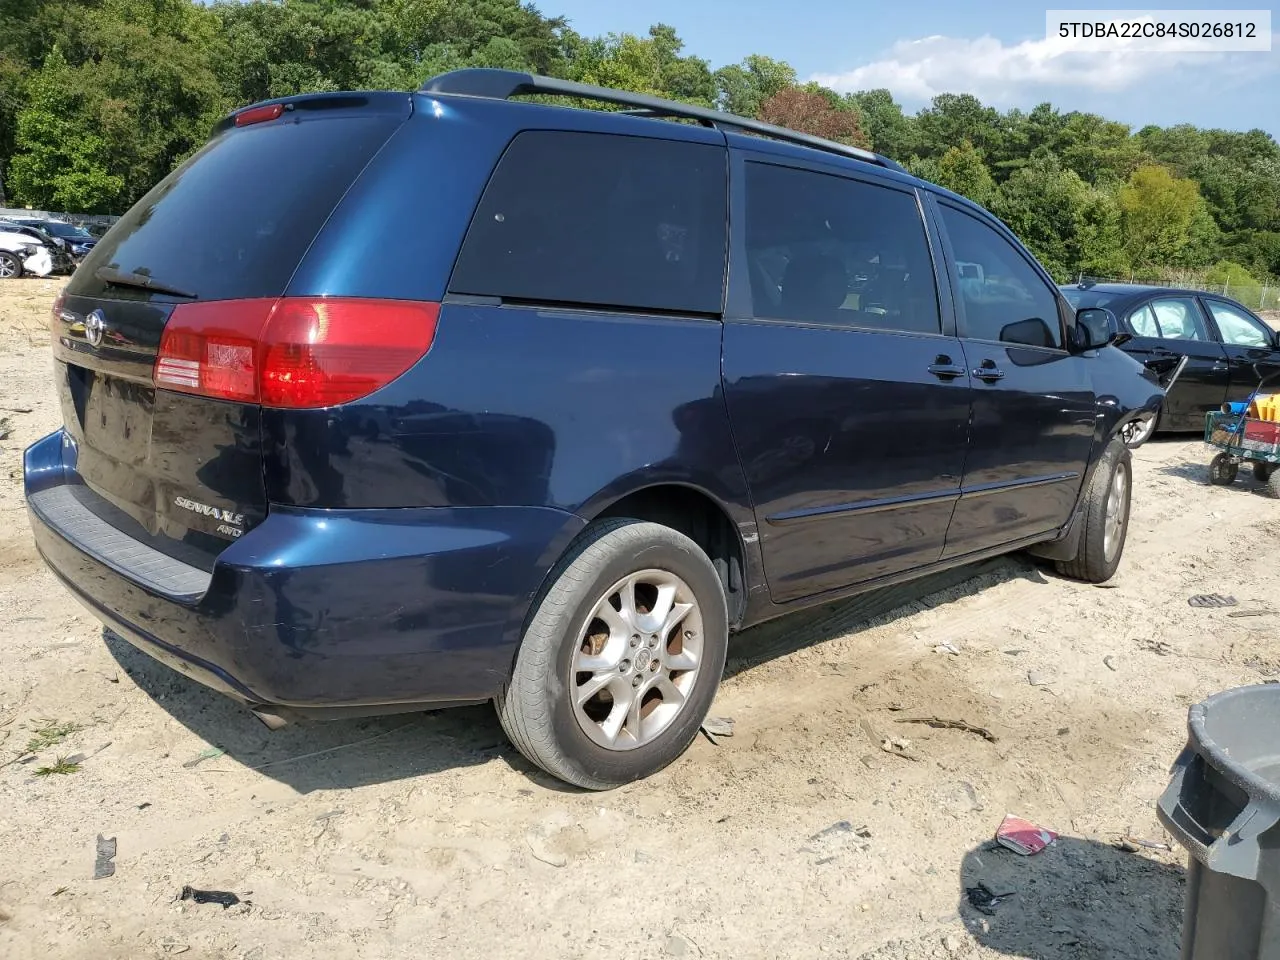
(1223, 805)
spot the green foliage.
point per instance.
(741, 88)
(61, 161)
(1160, 212)
(962, 170)
(61, 766)
(99, 99)
(1231, 274)
(50, 734)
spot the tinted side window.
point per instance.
(1178, 318)
(1003, 297)
(597, 219)
(823, 249)
(1238, 328)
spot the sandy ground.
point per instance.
(427, 835)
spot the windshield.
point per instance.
(1083, 298)
(67, 230)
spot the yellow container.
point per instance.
(1266, 408)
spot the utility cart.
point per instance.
(1243, 439)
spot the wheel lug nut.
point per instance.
(635, 681)
(688, 634)
(635, 641)
(624, 666)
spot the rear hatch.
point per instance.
(179, 471)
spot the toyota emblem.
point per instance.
(95, 325)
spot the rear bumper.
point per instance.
(320, 608)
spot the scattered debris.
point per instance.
(1037, 679)
(221, 897)
(940, 724)
(143, 806)
(713, 727)
(104, 865)
(1109, 662)
(544, 853)
(326, 816)
(1023, 837)
(16, 409)
(830, 841)
(947, 647)
(1134, 845)
(898, 747)
(1014, 653)
(1159, 647)
(59, 892)
(985, 900)
(204, 755)
(1251, 613)
(6, 428)
(1207, 601)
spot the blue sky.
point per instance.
(994, 50)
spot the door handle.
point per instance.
(989, 372)
(1219, 366)
(944, 369)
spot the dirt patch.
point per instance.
(799, 836)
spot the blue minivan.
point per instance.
(634, 380)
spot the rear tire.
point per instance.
(1273, 484)
(1222, 471)
(1104, 517)
(1262, 471)
(607, 687)
(10, 266)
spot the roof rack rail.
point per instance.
(504, 84)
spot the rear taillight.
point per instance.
(292, 352)
(259, 114)
(55, 315)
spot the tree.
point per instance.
(1071, 227)
(962, 171)
(743, 87)
(809, 111)
(1231, 274)
(61, 162)
(952, 119)
(1159, 212)
(890, 131)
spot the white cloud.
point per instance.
(999, 73)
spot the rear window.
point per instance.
(1085, 298)
(601, 220)
(235, 220)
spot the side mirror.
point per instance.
(1032, 332)
(1095, 328)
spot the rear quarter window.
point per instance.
(235, 219)
(601, 220)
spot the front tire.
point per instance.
(1262, 471)
(1105, 518)
(1223, 471)
(10, 266)
(621, 656)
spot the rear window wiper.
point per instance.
(141, 281)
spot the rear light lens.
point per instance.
(294, 353)
(259, 114)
